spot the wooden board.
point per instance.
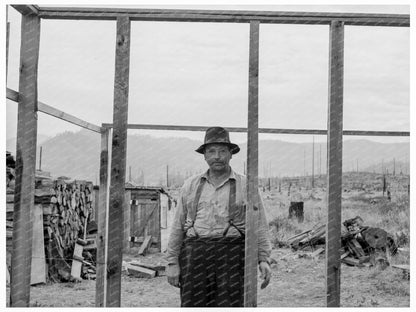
(37, 274)
(334, 163)
(138, 271)
(160, 269)
(76, 263)
(118, 163)
(252, 213)
(145, 245)
(27, 124)
(102, 211)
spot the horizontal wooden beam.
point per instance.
(26, 9)
(226, 16)
(44, 108)
(263, 130)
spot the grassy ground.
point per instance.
(297, 280)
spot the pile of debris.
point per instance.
(361, 245)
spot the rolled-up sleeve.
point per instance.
(263, 235)
(176, 232)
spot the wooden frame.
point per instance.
(109, 270)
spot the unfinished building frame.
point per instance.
(113, 169)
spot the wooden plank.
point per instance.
(263, 130)
(126, 226)
(102, 211)
(317, 252)
(145, 245)
(77, 261)
(38, 263)
(226, 16)
(334, 164)
(118, 163)
(44, 108)
(139, 271)
(160, 269)
(25, 162)
(252, 213)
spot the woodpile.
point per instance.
(67, 208)
(361, 245)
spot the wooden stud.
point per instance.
(334, 169)
(102, 212)
(252, 213)
(118, 163)
(47, 109)
(25, 162)
(44, 108)
(263, 130)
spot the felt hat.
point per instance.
(218, 135)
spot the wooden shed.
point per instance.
(146, 214)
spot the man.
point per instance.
(206, 245)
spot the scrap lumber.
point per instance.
(146, 244)
(38, 264)
(139, 271)
(158, 268)
(77, 261)
(317, 252)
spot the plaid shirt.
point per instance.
(212, 214)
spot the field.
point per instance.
(298, 280)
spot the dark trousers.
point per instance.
(212, 272)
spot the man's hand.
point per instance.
(173, 274)
(266, 273)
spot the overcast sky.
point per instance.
(197, 74)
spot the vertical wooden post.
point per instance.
(102, 222)
(25, 162)
(7, 40)
(334, 163)
(252, 214)
(118, 163)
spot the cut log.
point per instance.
(139, 271)
(145, 245)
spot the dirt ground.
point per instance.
(297, 281)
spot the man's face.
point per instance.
(217, 156)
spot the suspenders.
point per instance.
(232, 207)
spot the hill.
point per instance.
(77, 155)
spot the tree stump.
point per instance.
(296, 210)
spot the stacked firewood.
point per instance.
(67, 208)
(361, 245)
(65, 220)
